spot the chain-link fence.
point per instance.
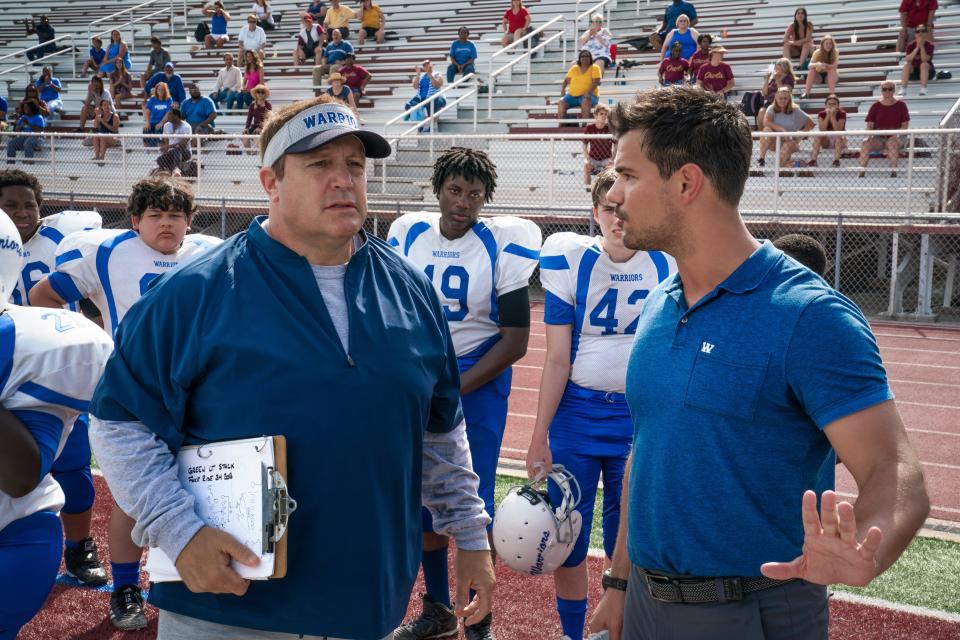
(892, 240)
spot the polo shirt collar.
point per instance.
(259, 237)
(754, 269)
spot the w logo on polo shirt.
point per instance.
(706, 347)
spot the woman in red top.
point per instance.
(832, 118)
(701, 56)
(918, 63)
(516, 23)
(673, 70)
(798, 38)
(887, 113)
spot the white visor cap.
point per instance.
(318, 125)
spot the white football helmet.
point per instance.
(531, 535)
(67, 222)
(11, 258)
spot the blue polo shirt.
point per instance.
(729, 401)
(460, 52)
(47, 92)
(337, 52)
(196, 111)
(673, 12)
(174, 84)
(238, 343)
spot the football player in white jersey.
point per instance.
(481, 271)
(114, 268)
(20, 196)
(595, 288)
(51, 361)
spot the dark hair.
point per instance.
(18, 178)
(602, 184)
(684, 125)
(705, 36)
(796, 25)
(805, 250)
(830, 97)
(155, 39)
(580, 55)
(161, 192)
(175, 111)
(469, 164)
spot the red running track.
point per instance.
(923, 366)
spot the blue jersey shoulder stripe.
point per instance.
(660, 262)
(64, 286)
(523, 252)
(490, 244)
(8, 340)
(556, 310)
(413, 233)
(51, 233)
(53, 397)
(103, 272)
(587, 262)
(393, 242)
(67, 256)
(554, 263)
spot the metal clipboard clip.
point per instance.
(277, 507)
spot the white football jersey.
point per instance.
(114, 267)
(602, 300)
(497, 256)
(40, 251)
(52, 360)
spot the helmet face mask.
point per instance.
(533, 536)
(11, 258)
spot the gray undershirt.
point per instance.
(330, 282)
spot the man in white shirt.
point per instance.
(253, 38)
(229, 83)
(175, 147)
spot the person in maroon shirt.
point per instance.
(673, 70)
(832, 118)
(918, 63)
(516, 23)
(355, 76)
(701, 56)
(256, 114)
(716, 75)
(597, 153)
(887, 113)
(913, 13)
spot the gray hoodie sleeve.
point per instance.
(450, 489)
(142, 474)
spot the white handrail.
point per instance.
(494, 74)
(429, 100)
(133, 21)
(29, 63)
(580, 16)
(491, 74)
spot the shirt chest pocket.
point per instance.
(727, 385)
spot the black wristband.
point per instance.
(609, 581)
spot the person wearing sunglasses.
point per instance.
(918, 63)
(885, 114)
(597, 40)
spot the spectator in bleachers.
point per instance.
(426, 83)
(252, 38)
(716, 75)
(832, 118)
(373, 23)
(94, 58)
(219, 21)
(50, 89)
(674, 69)
(463, 55)
(256, 113)
(918, 63)
(229, 84)
(597, 153)
(824, 66)
(252, 76)
(781, 76)
(158, 58)
(516, 23)
(783, 115)
(355, 76)
(96, 93)
(317, 9)
(338, 17)
(175, 145)
(308, 40)
(798, 38)
(263, 11)
(341, 91)
(45, 33)
(199, 111)
(31, 121)
(155, 112)
(170, 78)
(31, 95)
(597, 40)
(333, 55)
(669, 21)
(581, 87)
(106, 120)
(121, 84)
(914, 13)
(685, 34)
(702, 55)
(118, 55)
(885, 114)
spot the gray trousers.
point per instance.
(173, 626)
(795, 611)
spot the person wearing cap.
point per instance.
(316, 315)
(355, 76)
(158, 58)
(463, 55)
(252, 37)
(173, 81)
(219, 18)
(341, 92)
(716, 76)
(95, 58)
(310, 37)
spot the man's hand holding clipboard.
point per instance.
(204, 564)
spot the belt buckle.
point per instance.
(664, 581)
(736, 589)
(608, 396)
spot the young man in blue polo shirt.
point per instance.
(748, 371)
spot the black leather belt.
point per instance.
(694, 590)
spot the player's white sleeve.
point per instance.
(76, 274)
(199, 243)
(518, 247)
(69, 221)
(397, 236)
(559, 260)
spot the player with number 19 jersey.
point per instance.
(114, 268)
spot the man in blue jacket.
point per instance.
(173, 80)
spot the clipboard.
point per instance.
(239, 486)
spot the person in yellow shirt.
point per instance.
(581, 86)
(338, 17)
(372, 22)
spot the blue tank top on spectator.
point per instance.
(98, 55)
(686, 41)
(344, 94)
(158, 109)
(112, 53)
(48, 93)
(336, 52)
(218, 25)
(463, 51)
(426, 87)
